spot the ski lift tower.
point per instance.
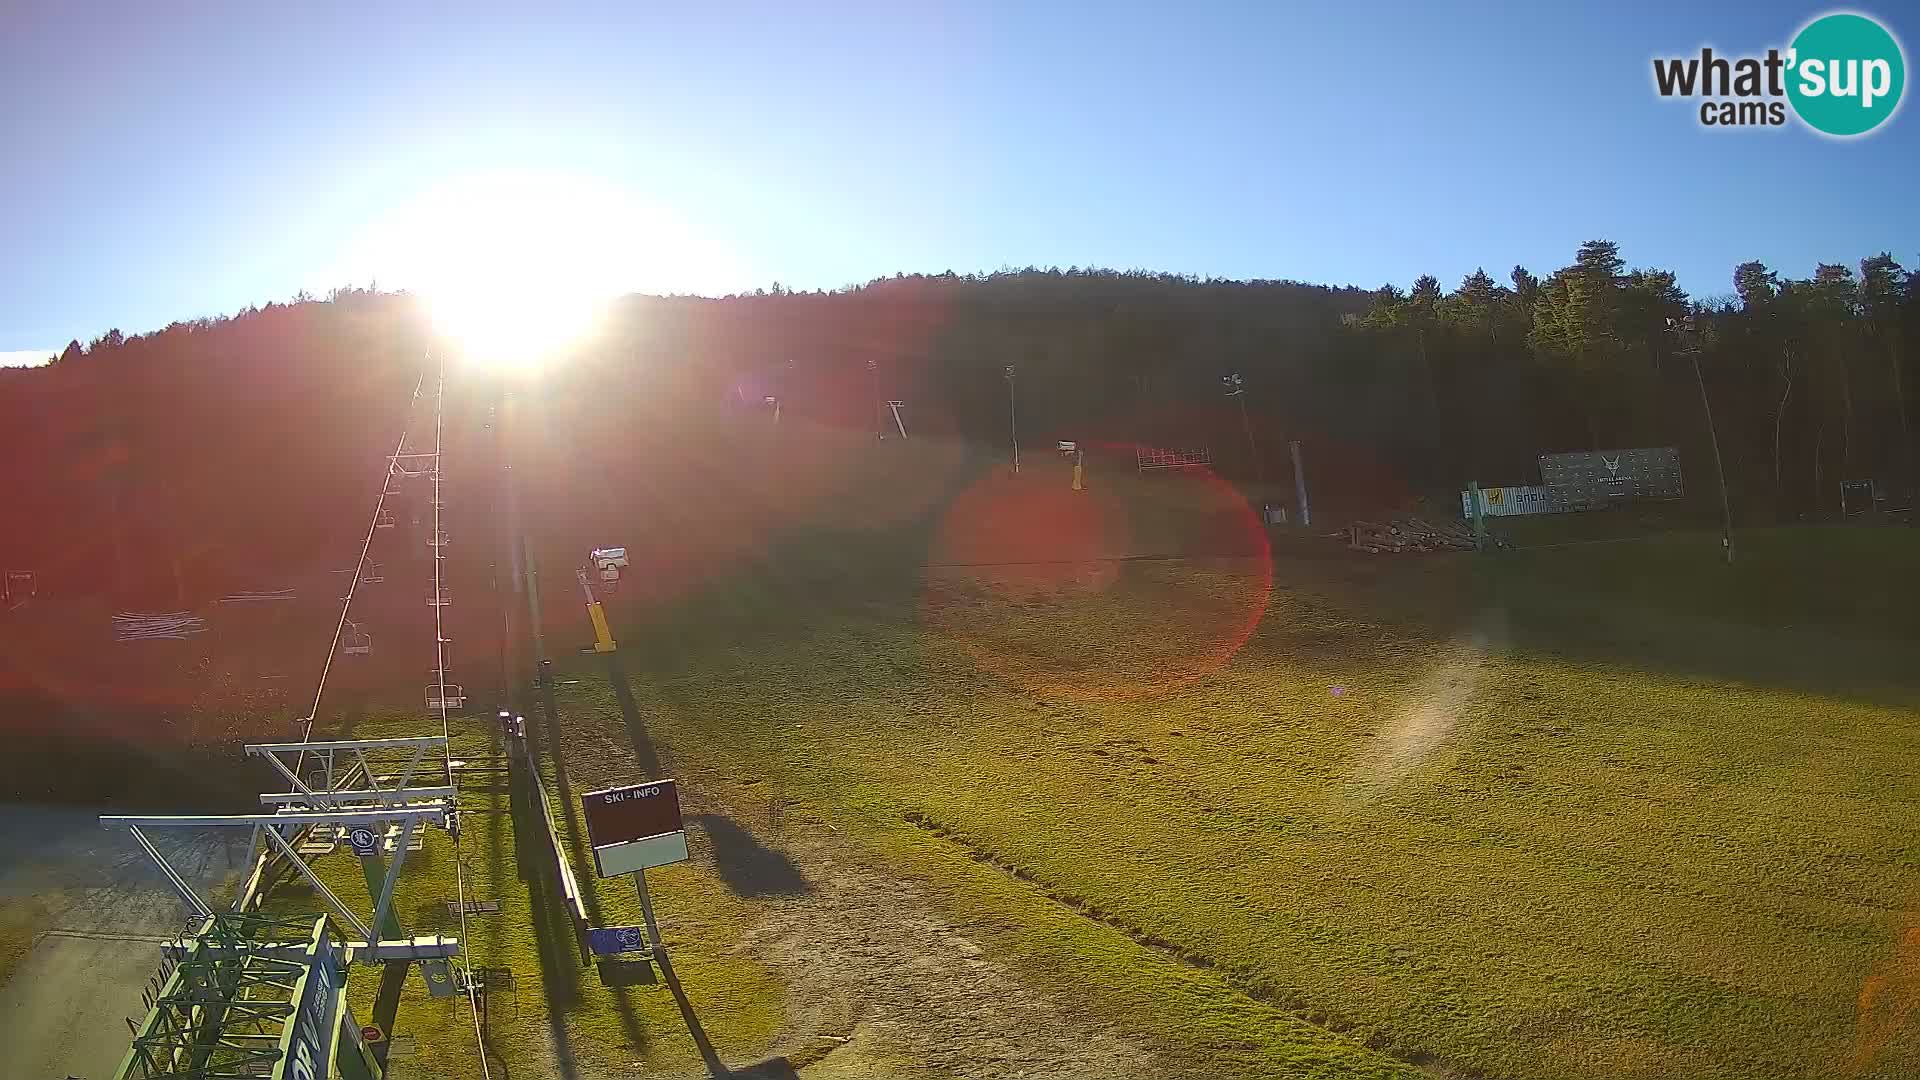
(251, 996)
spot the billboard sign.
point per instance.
(1516, 501)
(635, 827)
(1592, 477)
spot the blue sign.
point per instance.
(361, 839)
(613, 940)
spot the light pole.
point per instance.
(1237, 388)
(1689, 344)
(1013, 420)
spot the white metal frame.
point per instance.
(271, 827)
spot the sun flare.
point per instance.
(518, 268)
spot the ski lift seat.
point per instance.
(453, 698)
(391, 840)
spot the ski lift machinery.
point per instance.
(609, 561)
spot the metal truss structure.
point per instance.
(225, 999)
(354, 786)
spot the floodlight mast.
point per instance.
(1013, 420)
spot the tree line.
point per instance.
(201, 455)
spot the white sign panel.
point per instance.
(616, 859)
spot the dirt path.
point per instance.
(880, 984)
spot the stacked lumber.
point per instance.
(1411, 534)
(132, 626)
(258, 596)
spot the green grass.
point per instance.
(561, 1003)
(1606, 811)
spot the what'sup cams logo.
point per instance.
(1842, 76)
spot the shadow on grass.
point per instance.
(1816, 609)
(776, 1068)
(746, 866)
(542, 732)
(386, 1004)
(552, 927)
(643, 749)
(715, 1067)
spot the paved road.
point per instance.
(61, 1012)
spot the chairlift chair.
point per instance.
(357, 642)
(383, 519)
(439, 599)
(445, 696)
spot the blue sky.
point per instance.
(164, 168)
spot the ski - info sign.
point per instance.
(635, 827)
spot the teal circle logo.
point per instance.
(1846, 74)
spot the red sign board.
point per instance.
(635, 812)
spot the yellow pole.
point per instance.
(602, 637)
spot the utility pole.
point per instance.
(1237, 389)
(1300, 484)
(1690, 345)
(879, 410)
(1013, 420)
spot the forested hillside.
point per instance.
(211, 455)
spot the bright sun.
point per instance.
(517, 267)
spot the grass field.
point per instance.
(1610, 810)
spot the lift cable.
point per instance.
(359, 567)
(440, 700)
